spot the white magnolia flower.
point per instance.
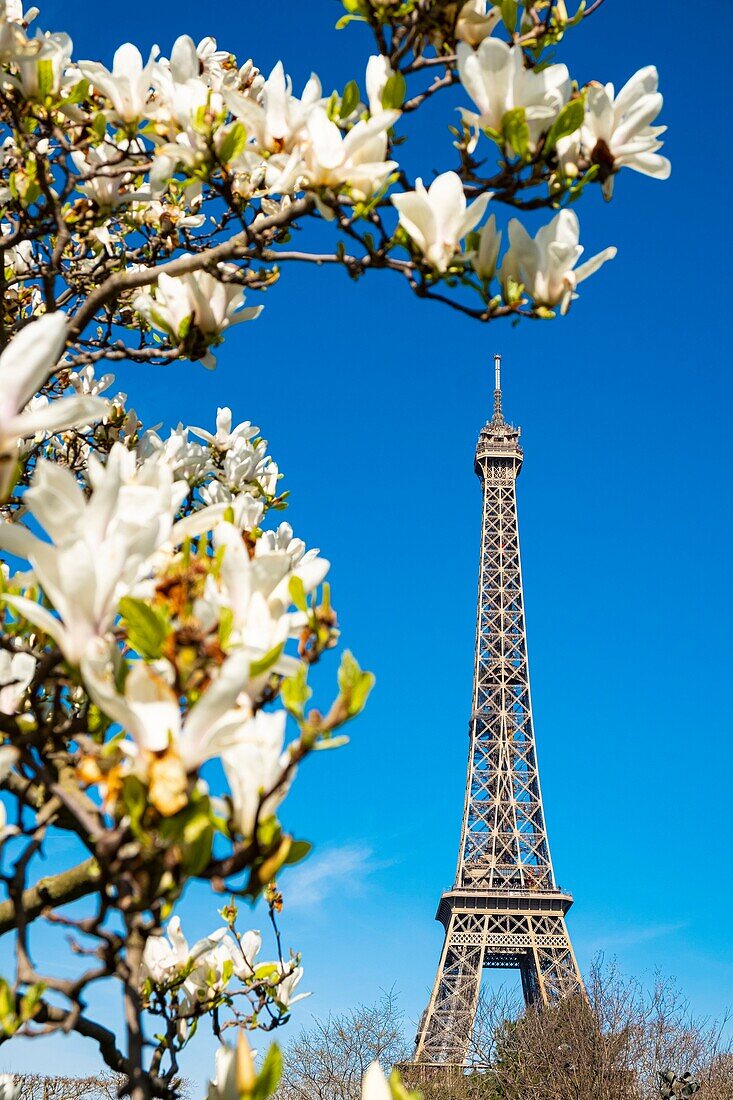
(105, 180)
(276, 118)
(14, 42)
(181, 88)
(378, 72)
(250, 944)
(16, 673)
(127, 84)
(245, 466)
(164, 959)
(101, 544)
(617, 131)
(50, 59)
(437, 219)
(225, 436)
(355, 159)
(374, 1084)
(195, 305)
(474, 23)
(212, 971)
(286, 988)
(545, 264)
(235, 1071)
(10, 1088)
(25, 364)
(483, 260)
(149, 708)
(253, 765)
(256, 590)
(13, 11)
(86, 383)
(497, 81)
(21, 256)
(282, 540)
(187, 460)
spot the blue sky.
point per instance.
(372, 402)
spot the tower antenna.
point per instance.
(498, 415)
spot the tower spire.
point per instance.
(498, 417)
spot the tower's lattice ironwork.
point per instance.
(505, 909)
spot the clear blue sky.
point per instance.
(372, 402)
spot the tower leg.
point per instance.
(557, 970)
(445, 1029)
(534, 942)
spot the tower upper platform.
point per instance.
(498, 439)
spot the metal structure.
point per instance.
(505, 909)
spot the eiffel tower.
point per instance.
(505, 910)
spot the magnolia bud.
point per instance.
(245, 1072)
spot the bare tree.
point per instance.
(327, 1061)
(100, 1086)
(624, 1042)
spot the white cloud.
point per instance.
(632, 937)
(344, 871)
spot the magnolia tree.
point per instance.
(158, 622)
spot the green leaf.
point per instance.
(265, 971)
(299, 849)
(573, 22)
(354, 684)
(394, 92)
(7, 1000)
(9, 1022)
(350, 99)
(269, 1076)
(147, 627)
(30, 1004)
(512, 291)
(100, 126)
(516, 131)
(257, 668)
(297, 592)
(135, 801)
(78, 93)
(233, 143)
(192, 828)
(509, 10)
(567, 122)
(226, 625)
(357, 10)
(295, 693)
(45, 77)
(183, 329)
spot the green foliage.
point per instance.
(269, 1076)
(234, 143)
(299, 850)
(516, 131)
(295, 693)
(192, 830)
(297, 593)
(354, 684)
(350, 99)
(509, 10)
(394, 92)
(567, 122)
(147, 627)
(9, 1022)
